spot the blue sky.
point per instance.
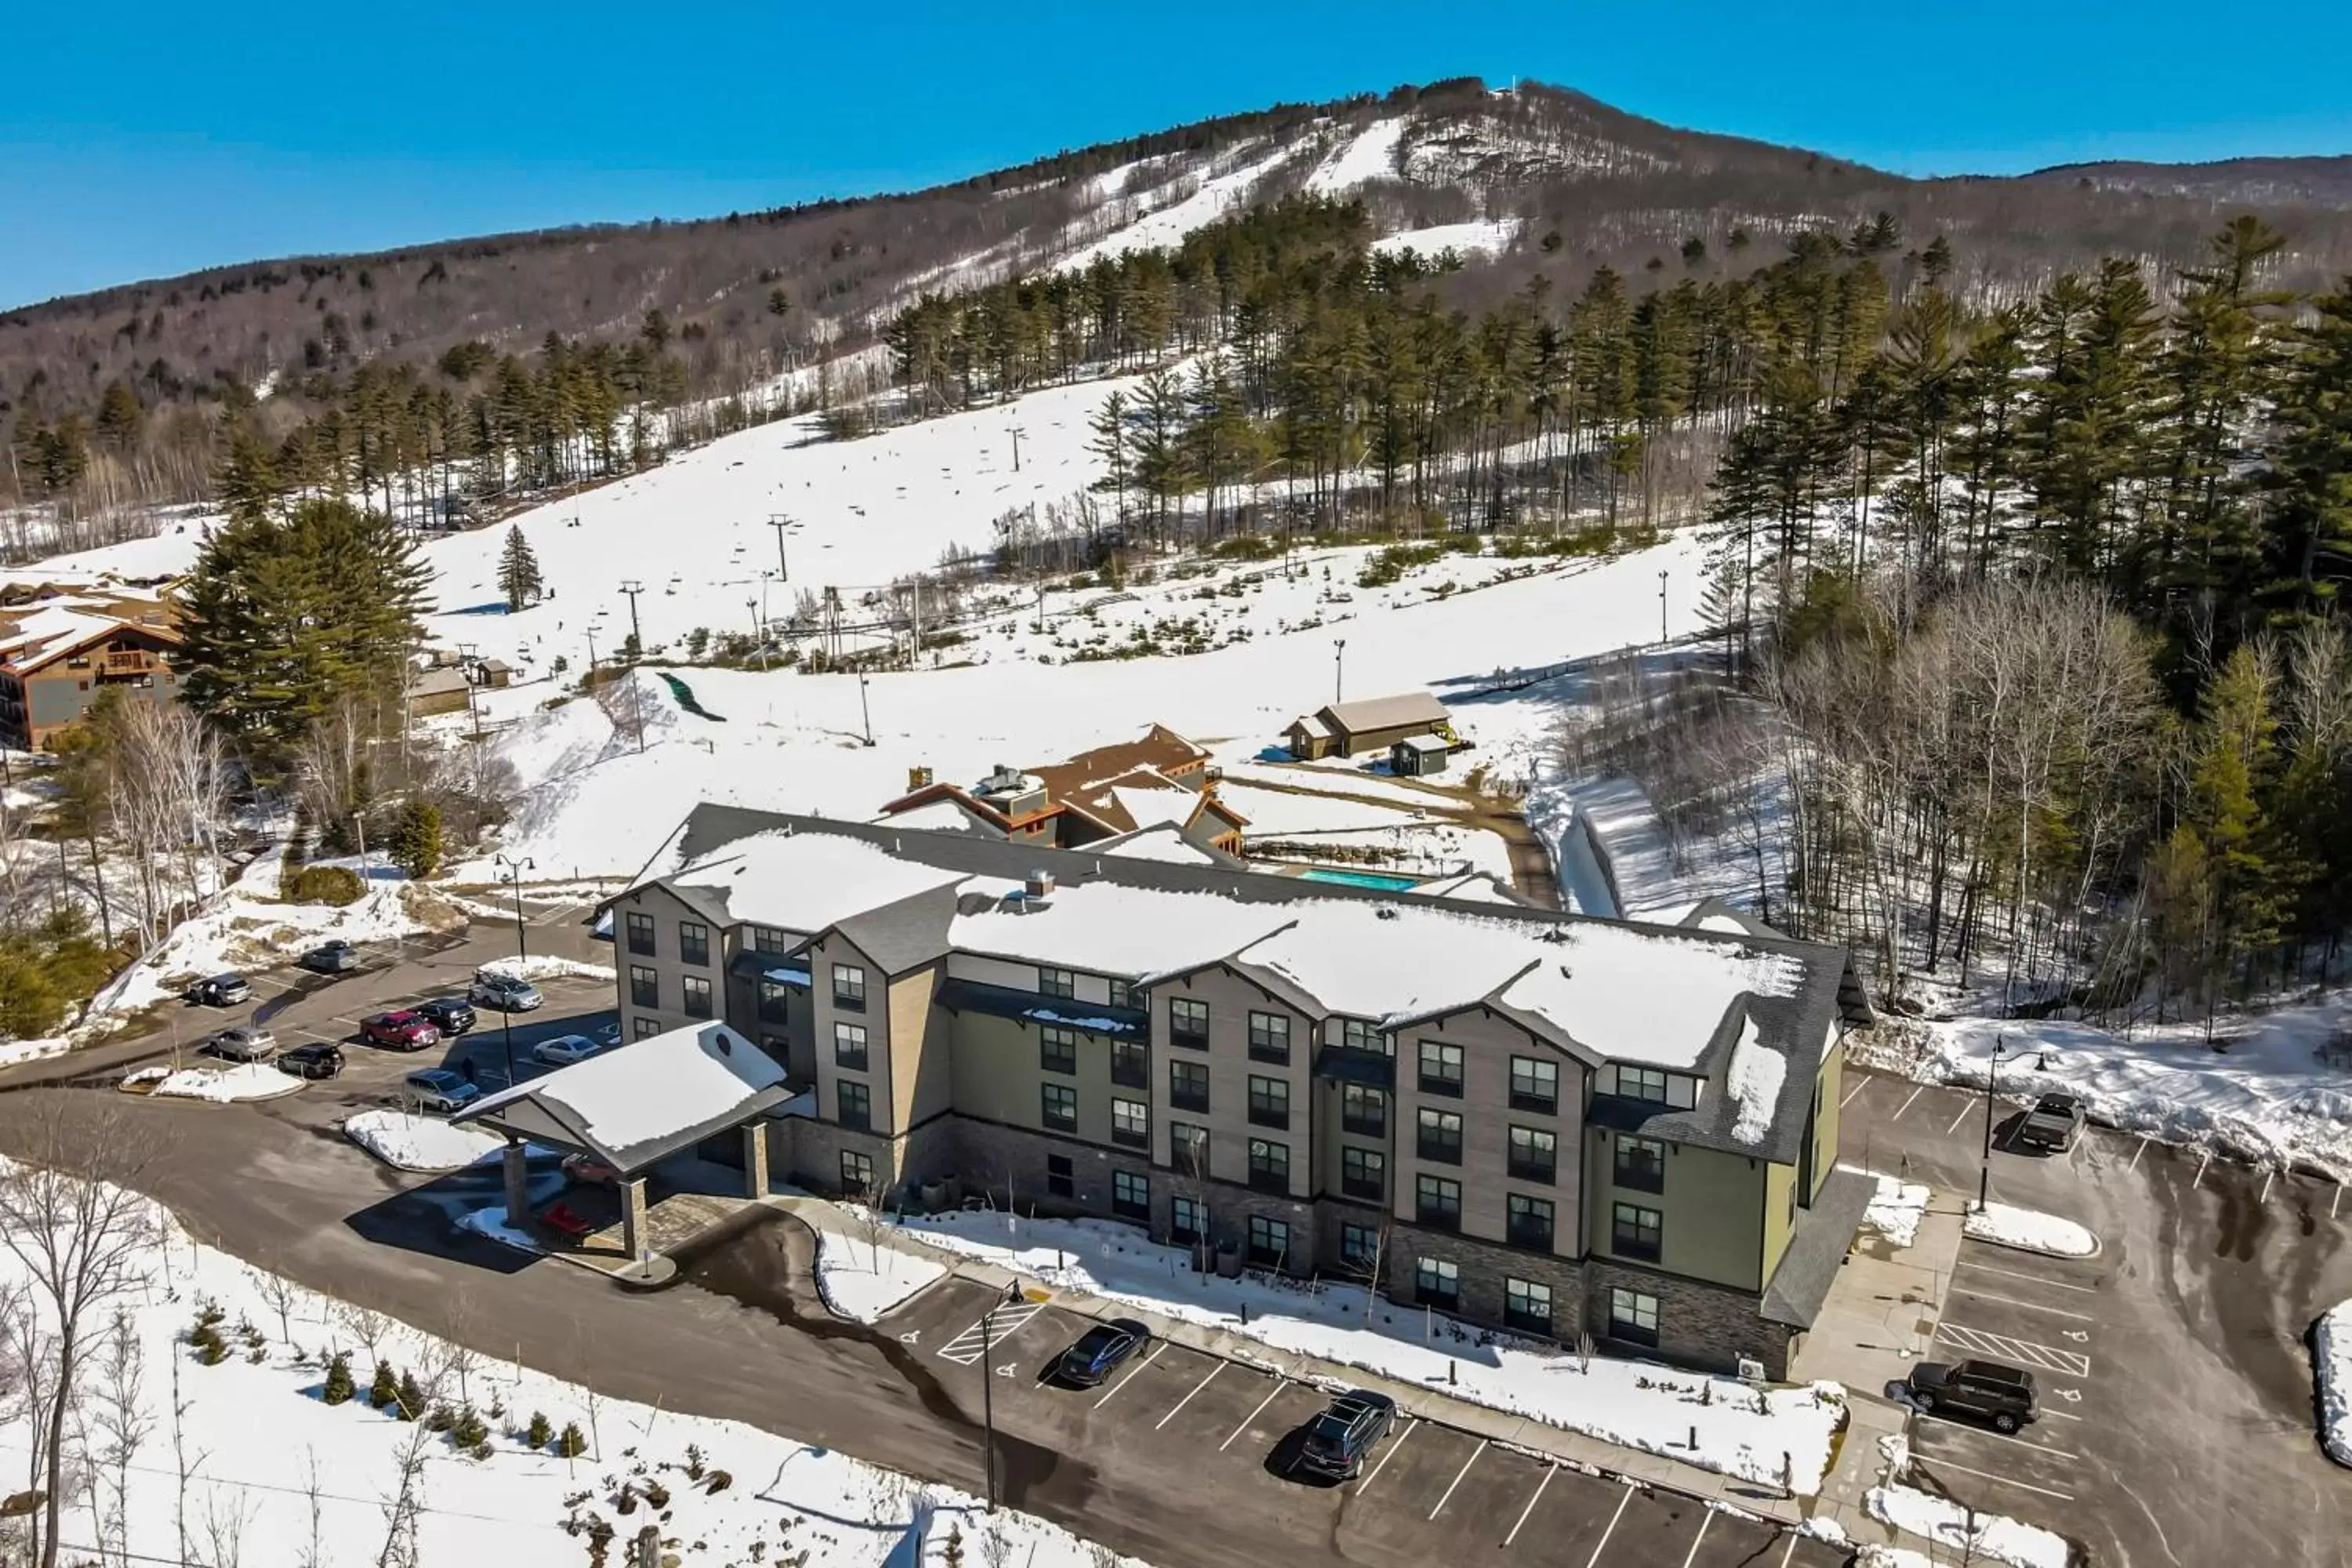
(139, 140)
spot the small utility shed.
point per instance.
(637, 1105)
(1417, 755)
(1375, 724)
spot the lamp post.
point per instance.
(864, 714)
(988, 1383)
(1661, 609)
(514, 869)
(1984, 1174)
(1338, 668)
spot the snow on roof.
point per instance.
(943, 815)
(1379, 960)
(1642, 996)
(649, 1091)
(1313, 724)
(1146, 807)
(805, 881)
(51, 623)
(1754, 1079)
(1106, 928)
(1424, 743)
(1388, 712)
(1166, 844)
(1723, 923)
(1477, 886)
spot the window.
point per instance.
(1188, 1023)
(1363, 1172)
(1130, 1064)
(646, 1028)
(849, 987)
(1057, 1050)
(1355, 1034)
(857, 1173)
(1130, 1195)
(641, 933)
(1636, 1232)
(1641, 1083)
(1056, 982)
(1188, 1220)
(1535, 1155)
(1641, 1165)
(1188, 1149)
(1122, 993)
(850, 1047)
(697, 996)
(1359, 1245)
(1363, 1110)
(1527, 1221)
(1632, 1317)
(1061, 1177)
(1534, 1085)
(1437, 1201)
(1130, 1123)
(1061, 1107)
(1269, 1165)
(1440, 1069)
(644, 985)
(1269, 1242)
(693, 942)
(775, 1003)
(1437, 1283)
(1188, 1086)
(1526, 1306)
(853, 1105)
(1441, 1136)
(769, 940)
(1269, 1037)
(1269, 1102)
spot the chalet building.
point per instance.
(1375, 724)
(59, 658)
(1523, 1118)
(1159, 780)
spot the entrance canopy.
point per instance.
(635, 1105)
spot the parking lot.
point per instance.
(2171, 1367)
(1428, 1493)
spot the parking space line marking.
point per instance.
(1860, 1084)
(1553, 1470)
(2005, 1480)
(1705, 1518)
(2135, 1154)
(1280, 1382)
(2265, 1196)
(2200, 1169)
(1789, 1550)
(2028, 1305)
(1189, 1392)
(1138, 1367)
(1383, 1465)
(2035, 1278)
(2333, 1201)
(1457, 1478)
(1602, 1544)
(2049, 1358)
(1963, 1116)
(996, 1325)
(2004, 1437)
(1906, 1102)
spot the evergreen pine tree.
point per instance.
(340, 1387)
(384, 1387)
(416, 839)
(519, 577)
(410, 1398)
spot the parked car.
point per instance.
(565, 1049)
(439, 1089)
(312, 1060)
(1335, 1442)
(1099, 1352)
(220, 991)
(2004, 1396)
(246, 1043)
(505, 993)
(450, 1015)
(589, 1172)
(403, 1031)
(2053, 1123)
(334, 957)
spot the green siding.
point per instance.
(1713, 1208)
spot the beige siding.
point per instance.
(1489, 1043)
(824, 955)
(1780, 1213)
(922, 1057)
(1828, 1100)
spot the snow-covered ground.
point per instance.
(2028, 1229)
(1896, 1211)
(542, 966)
(1484, 235)
(409, 1143)
(2331, 1366)
(868, 1282)
(1966, 1533)
(226, 1084)
(280, 1476)
(1772, 1435)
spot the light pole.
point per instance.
(864, 714)
(1661, 609)
(514, 869)
(1338, 668)
(1984, 1174)
(988, 1382)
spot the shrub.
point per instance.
(571, 1443)
(383, 1388)
(210, 1347)
(481, 1450)
(718, 1482)
(468, 1430)
(440, 1418)
(411, 1403)
(540, 1430)
(325, 885)
(339, 1388)
(416, 839)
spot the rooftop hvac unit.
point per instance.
(1040, 885)
(918, 778)
(1751, 1370)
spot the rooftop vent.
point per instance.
(1385, 913)
(1040, 885)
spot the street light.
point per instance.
(515, 869)
(1661, 609)
(988, 1381)
(1338, 668)
(864, 712)
(1984, 1175)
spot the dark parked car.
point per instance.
(312, 1060)
(505, 993)
(220, 991)
(1337, 1441)
(335, 957)
(1099, 1352)
(246, 1043)
(451, 1016)
(2001, 1394)
(439, 1089)
(402, 1031)
(2053, 1123)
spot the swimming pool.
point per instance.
(1385, 881)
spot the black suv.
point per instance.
(450, 1015)
(1335, 1442)
(2001, 1394)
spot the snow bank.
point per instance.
(2331, 1363)
(538, 966)
(221, 1086)
(410, 1142)
(1979, 1537)
(1896, 1211)
(2030, 1230)
(869, 1284)
(1774, 1437)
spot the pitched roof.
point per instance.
(1386, 713)
(1159, 747)
(34, 638)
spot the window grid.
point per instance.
(850, 1047)
(1269, 1241)
(644, 985)
(1269, 1102)
(1188, 1023)
(1131, 1122)
(641, 934)
(1440, 1069)
(853, 1105)
(1527, 1221)
(1059, 983)
(1363, 1110)
(693, 942)
(1534, 1155)
(1130, 1195)
(1534, 1085)
(1188, 1220)
(697, 996)
(1639, 1165)
(1363, 1172)
(1130, 1064)
(1440, 1136)
(1437, 1202)
(1269, 1037)
(1059, 1106)
(849, 986)
(1632, 1317)
(1637, 1233)
(1437, 1283)
(1269, 1165)
(1526, 1306)
(1057, 1050)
